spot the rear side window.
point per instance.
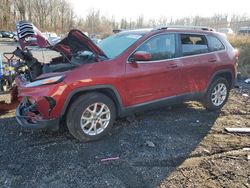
(193, 44)
(160, 47)
(215, 44)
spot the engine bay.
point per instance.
(30, 67)
(72, 51)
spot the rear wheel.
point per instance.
(217, 94)
(91, 117)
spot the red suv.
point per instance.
(90, 85)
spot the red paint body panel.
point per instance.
(146, 81)
(136, 83)
(87, 43)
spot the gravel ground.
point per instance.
(179, 146)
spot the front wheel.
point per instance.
(217, 94)
(91, 117)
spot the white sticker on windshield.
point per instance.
(134, 36)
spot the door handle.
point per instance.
(172, 66)
(212, 60)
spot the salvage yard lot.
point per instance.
(190, 148)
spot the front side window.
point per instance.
(215, 44)
(160, 47)
(193, 44)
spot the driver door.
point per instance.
(156, 78)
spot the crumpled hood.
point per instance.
(77, 41)
(29, 35)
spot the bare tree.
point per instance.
(21, 7)
(59, 16)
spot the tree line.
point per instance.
(59, 16)
(48, 15)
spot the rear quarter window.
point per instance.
(193, 44)
(215, 44)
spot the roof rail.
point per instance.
(203, 28)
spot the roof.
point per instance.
(169, 27)
(136, 31)
(184, 27)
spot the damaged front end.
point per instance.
(29, 114)
(42, 103)
(41, 87)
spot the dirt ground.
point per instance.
(188, 148)
(219, 160)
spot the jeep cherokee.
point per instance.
(90, 85)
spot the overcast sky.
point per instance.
(131, 9)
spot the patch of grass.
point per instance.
(242, 43)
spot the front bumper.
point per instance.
(34, 122)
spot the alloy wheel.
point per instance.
(219, 94)
(95, 119)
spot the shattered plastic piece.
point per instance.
(246, 149)
(110, 159)
(238, 130)
(245, 95)
(247, 81)
(150, 144)
(206, 150)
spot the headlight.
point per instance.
(46, 81)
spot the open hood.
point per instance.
(29, 35)
(77, 41)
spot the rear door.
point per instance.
(201, 54)
(196, 62)
(157, 78)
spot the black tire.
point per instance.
(207, 100)
(78, 107)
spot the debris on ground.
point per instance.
(150, 144)
(238, 130)
(247, 81)
(245, 95)
(110, 159)
(206, 150)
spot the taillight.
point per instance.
(237, 54)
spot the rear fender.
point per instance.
(216, 74)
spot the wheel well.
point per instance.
(106, 91)
(227, 76)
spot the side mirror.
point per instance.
(141, 56)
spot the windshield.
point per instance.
(116, 44)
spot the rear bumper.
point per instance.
(35, 122)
